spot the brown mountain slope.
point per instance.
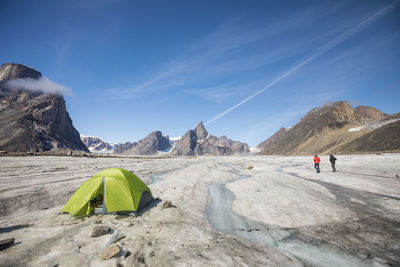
(386, 138)
(370, 114)
(273, 138)
(326, 129)
(318, 121)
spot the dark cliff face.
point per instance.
(11, 71)
(187, 144)
(33, 121)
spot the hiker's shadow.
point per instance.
(154, 203)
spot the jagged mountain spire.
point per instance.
(201, 131)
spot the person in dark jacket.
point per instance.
(316, 163)
(332, 159)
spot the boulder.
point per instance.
(6, 243)
(100, 230)
(109, 252)
(167, 204)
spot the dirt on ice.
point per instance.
(281, 212)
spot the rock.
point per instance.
(152, 254)
(397, 176)
(250, 167)
(109, 252)
(98, 221)
(141, 259)
(100, 230)
(6, 243)
(167, 204)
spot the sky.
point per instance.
(244, 68)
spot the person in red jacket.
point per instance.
(316, 162)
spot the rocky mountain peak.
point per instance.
(150, 145)
(12, 71)
(199, 142)
(96, 145)
(32, 121)
(201, 131)
(370, 114)
(328, 129)
(333, 116)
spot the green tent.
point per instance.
(118, 190)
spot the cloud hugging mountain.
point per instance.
(31, 120)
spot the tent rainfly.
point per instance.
(116, 189)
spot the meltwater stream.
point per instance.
(157, 177)
(220, 215)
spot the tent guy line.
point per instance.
(316, 53)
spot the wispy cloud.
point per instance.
(315, 54)
(228, 51)
(38, 85)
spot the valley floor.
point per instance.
(281, 212)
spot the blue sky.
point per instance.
(135, 67)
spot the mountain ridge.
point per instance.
(329, 129)
(200, 142)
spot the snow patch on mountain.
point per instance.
(372, 125)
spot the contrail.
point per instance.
(316, 53)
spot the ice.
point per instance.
(280, 213)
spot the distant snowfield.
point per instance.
(372, 125)
(254, 150)
(281, 213)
